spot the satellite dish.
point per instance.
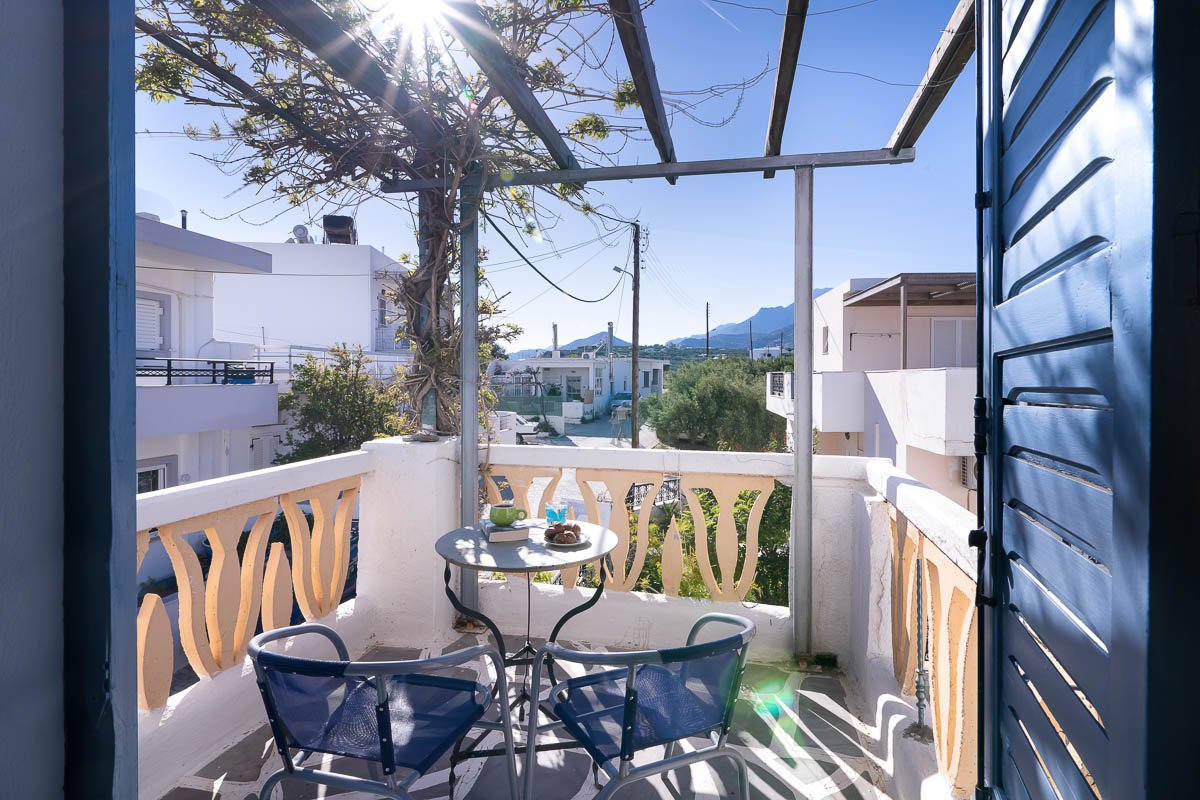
(300, 234)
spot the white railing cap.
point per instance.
(204, 497)
(943, 521)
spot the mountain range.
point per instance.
(770, 324)
(594, 340)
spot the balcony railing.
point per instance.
(934, 627)
(219, 609)
(779, 384)
(535, 476)
(200, 370)
(892, 590)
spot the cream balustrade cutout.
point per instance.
(155, 644)
(948, 613)
(321, 556)
(219, 610)
(727, 489)
(724, 580)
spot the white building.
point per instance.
(768, 351)
(316, 296)
(894, 376)
(200, 396)
(586, 384)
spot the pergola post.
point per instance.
(468, 461)
(801, 544)
(903, 324)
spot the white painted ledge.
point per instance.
(204, 497)
(944, 522)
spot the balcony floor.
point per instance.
(794, 728)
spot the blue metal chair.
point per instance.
(652, 698)
(395, 715)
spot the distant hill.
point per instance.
(769, 323)
(765, 319)
(593, 341)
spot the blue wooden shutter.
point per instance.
(1066, 148)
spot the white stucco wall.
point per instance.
(316, 296)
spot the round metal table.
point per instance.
(470, 549)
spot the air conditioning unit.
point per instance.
(966, 472)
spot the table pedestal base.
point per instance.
(521, 657)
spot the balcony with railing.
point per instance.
(892, 625)
(190, 395)
(185, 371)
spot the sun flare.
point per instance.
(410, 16)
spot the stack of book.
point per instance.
(518, 532)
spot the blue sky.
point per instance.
(722, 239)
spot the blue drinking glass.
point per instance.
(556, 512)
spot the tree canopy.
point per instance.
(719, 404)
(295, 130)
(337, 405)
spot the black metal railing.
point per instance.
(202, 370)
(668, 493)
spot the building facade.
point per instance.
(585, 385)
(320, 295)
(201, 399)
(894, 374)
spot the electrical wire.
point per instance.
(541, 294)
(778, 13)
(543, 275)
(884, 81)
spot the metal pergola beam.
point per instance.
(785, 76)
(631, 28)
(723, 166)
(951, 55)
(474, 32)
(312, 27)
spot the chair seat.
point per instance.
(428, 714)
(669, 707)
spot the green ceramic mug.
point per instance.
(506, 514)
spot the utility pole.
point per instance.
(637, 296)
(706, 330)
(751, 339)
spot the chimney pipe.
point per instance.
(183, 218)
(554, 346)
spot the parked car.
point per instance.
(621, 400)
(524, 427)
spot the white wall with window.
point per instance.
(952, 342)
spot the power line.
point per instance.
(884, 81)
(778, 13)
(539, 295)
(543, 275)
(558, 253)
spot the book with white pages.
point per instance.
(494, 533)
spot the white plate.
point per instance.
(583, 541)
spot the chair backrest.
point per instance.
(688, 691)
(347, 707)
(313, 705)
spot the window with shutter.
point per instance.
(152, 315)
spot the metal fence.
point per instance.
(531, 406)
(201, 370)
(668, 493)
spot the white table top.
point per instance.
(467, 547)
